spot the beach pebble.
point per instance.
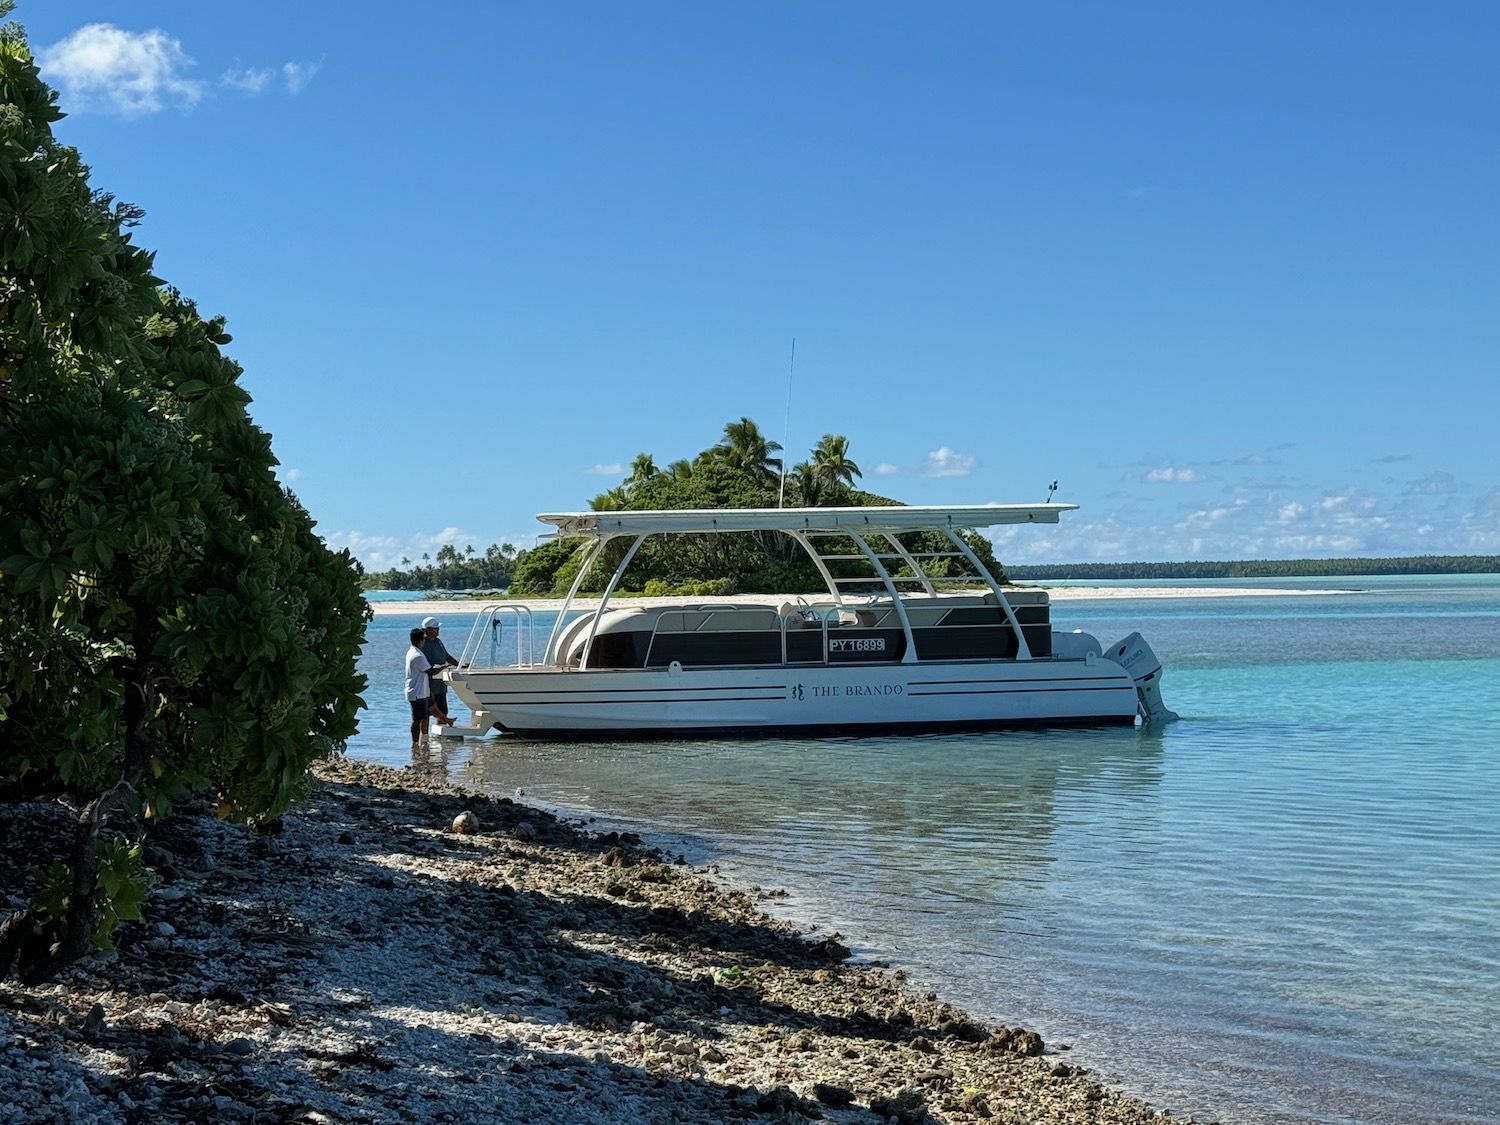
(831, 1095)
(466, 823)
(908, 1106)
(525, 831)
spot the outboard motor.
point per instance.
(1135, 656)
(1076, 645)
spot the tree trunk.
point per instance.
(40, 949)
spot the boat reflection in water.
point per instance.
(883, 827)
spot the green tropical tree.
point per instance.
(642, 469)
(830, 458)
(806, 484)
(170, 623)
(612, 501)
(745, 448)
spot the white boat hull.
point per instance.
(823, 700)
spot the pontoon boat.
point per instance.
(899, 644)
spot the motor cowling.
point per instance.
(1140, 663)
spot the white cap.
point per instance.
(429, 622)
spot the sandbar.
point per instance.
(456, 605)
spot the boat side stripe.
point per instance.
(1122, 679)
(1018, 691)
(624, 702)
(631, 690)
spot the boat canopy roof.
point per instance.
(891, 518)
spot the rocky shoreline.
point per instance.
(407, 951)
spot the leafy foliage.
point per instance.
(170, 623)
(540, 570)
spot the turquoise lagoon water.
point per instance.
(1285, 908)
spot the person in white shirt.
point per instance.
(418, 692)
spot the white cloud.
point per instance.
(1350, 502)
(1481, 525)
(256, 80)
(100, 67)
(299, 74)
(1282, 517)
(252, 80)
(612, 470)
(886, 469)
(1437, 483)
(1175, 476)
(293, 474)
(948, 462)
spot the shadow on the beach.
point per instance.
(532, 965)
(363, 1069)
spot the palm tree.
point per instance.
(615, 500)
(678, 470)
(804, 479)
(831, 462)
(748, 450)
(642, 469)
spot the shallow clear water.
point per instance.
(1285, 908)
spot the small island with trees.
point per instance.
(740, 471)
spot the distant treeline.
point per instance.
(1265, 568)
(492, 570)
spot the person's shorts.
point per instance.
(440, 696)
(419, 708)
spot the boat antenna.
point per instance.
(1050, 491)
(786, 428)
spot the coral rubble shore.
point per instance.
(372, 964)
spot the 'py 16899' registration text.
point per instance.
(856, 644)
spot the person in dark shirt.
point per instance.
(439, 657)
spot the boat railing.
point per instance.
(487, 631)
(801, 614)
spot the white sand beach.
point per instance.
(454, 606)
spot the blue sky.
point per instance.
(1229, 273)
